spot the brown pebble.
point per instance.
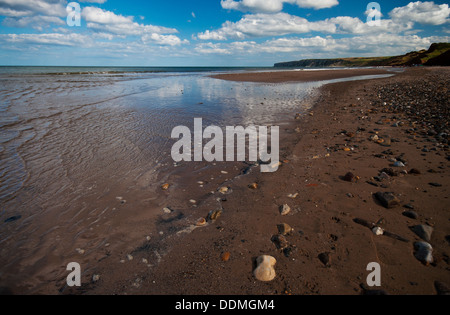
(226, 257)
(165, 186)
(253, 186)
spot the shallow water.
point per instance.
(71, 144)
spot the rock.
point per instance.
(284, 229)
(442, 288)
(423, 231)
(224, 190)
(411, 214)
(280, 241)
(423, 252)
(95, 278)
(409, 206)
(14, 218)
(192, 201)
(225, 257)
(388, 200)
(129, 257)
(265, 270)
(293, 196)
(80, 251)
(378, 231)
(165, 186)
(201, 222)
(253, 186)
(435, 184)
(349, 177)
(285, 209)
(325, 258)
(167, 211)
(399, 164)
(214, 215)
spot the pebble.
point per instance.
(293, 196)
(225, 257)
(129, 257)
(192, 201)
(280, 241)
(165, 186)
(325, 258)
(435, 184)
(388, 200)
(423, 252)
(285, 209)
(201, 222)
(399, 164)
(349, 177)
(265, 270)
(167, 210)
(214, 215)
(411, 214)
(253, 186)
(95, 278)
(423, 231)
(378, 231)
(80, 251)
(223, 190)
(284, 229)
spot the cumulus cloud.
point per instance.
(38, 22)
(280, 24)
(422, 12)
(273, 6)
(20, 8)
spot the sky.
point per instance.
(213, 32)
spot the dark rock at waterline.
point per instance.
(12, 219)
(387, 199)
(423, 231)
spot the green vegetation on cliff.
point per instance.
(437, 55)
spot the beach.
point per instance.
(148, 239)
(329, 249)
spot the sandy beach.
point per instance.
(332, 211)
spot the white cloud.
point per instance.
(38, 22)
(273, 6)
(280, 24)
(165, 40)
(20, 8)
(422, 12)
(71, 39)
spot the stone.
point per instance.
(349, 177)
(95, 278)
(284, 229)
(285, 209)
(435, 184)
(225, 257)
(201, 222)
(265, 270)
(280, 241)
(129, 257)
(167, 211)
(253, 186)
(80, 251)
(325, 258)
(214, 215)
(387, 200)
(423, 252)
(423, 231)
(377, 231)
(224, 190)
(399, 164)
(411, 214)
(293, 196)
(165, 186)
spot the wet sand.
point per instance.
(299, 76)
(317, 149)
(323, 214)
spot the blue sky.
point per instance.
(213, 32)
